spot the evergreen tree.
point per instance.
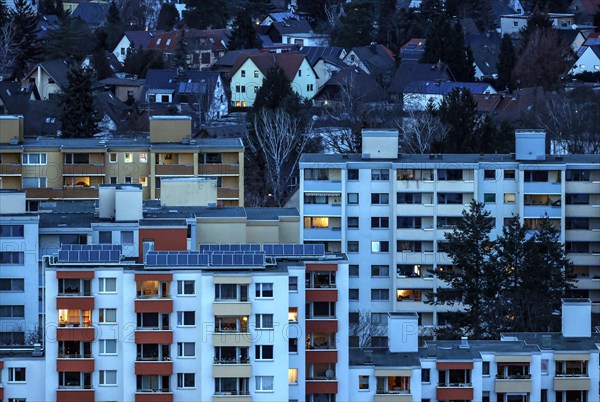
(202, 14)
(458, 111)
(25, 19)
(537, 21)
(168, 16)
(99, 57)
(113, 16)
(386, 31)
(139, 61)
(432, 9)
(60, 9)
(315, 9)
(180, 57)
(355, 27)
(275, 91)
(596, 21)
(447, 44)
(79, 119)
(47, 7)
(506, 63)
(243, 35)
(72, 39)
(3, 13)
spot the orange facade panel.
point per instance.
(153, 368)
(74, 274)
(154, 337)
(75, 334)
(81, 365)
(168, 239)
(1, 364)
(154, 397)
(154, 277)
(174, 170)
(454, 365)
(321, 295)
(321, 356)
(321, 387)
(11, 169)
(321, 267)
(75, 303)
(71, 395)
(327, 326)
(154, 306)
(1, 393)
(454, 393)
(223, 192)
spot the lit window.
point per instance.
(143, 157)
(144, 181)
(510, 198)
(363, 382)
(293, 376)
(128, 157)
(293, 314)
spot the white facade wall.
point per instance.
(587, 62)
(32, 389)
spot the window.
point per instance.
(186, 288)
(353, 222)
(379, 319)
(426, 375)
(353, 294)
(143, 181)
(352, 246)
(577, 199)
(310, 87)
(293, 345)
(255, 73)
(263, 352)
(535, 175)
(224, 292)
(107, 285)
(353, 198)
(380, 246)
(264, 290)
(17, 374)
(77, 159)
(34, 182)
(264, 321)
(449, 198)
(577, 223)
(108, 377)
(509, 174)
(186, 349)
(113, 180)
(105, 237)
(409, 246)
(408, 198)
(112, 158)
(34, 159)
(353, 174)
(489, 174)
(450, 174)
(485, 368)
(243, 73)
(128, 180)
(353, 270)
(415, 174)
(510, 198)
(108, 315)
(545, 364)
(186, 318)
(293, 314)
(363, 382)
(293, 284)
(186, 380)
(316, 174)
(380, 198)
(293, 376)
(380, 270)
(489, 198)
(243, 89)
(127, 237)
(299, 73)
(380, 294)
(578, 175)
(237, 90)
(379, 341)
(380, 222)
(264, 383)
(108, 346)
(12, 285)
(12, 257)
(128, 157)
(577, 247)
(12, 230)
(408, 222)
(380, 174)
(316, 222)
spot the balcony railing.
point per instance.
(75, 356)
(75, 294)
(455, 385)
(75, 386)
(244, 360)
(571, 375)
(231, 393)
(152, 296)
(321, 378)
(513, 377)
(153, 359)
(154, 328)
(74, 324)
(322, 286)
(393, 391)
(149, 390)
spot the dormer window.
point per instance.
(299, 73)
(168, 42)
(243, 73)
(158, 41)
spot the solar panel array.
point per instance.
(176, 258)
(276, 250)
(211, 248)
(90, 253)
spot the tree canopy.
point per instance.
(202, 14)
(355, 26)
(25, 21)
(506, 63)
(168, 16)
(243, 35)
(458, 111)
(72, 39)
(276, 91)
(79, 117)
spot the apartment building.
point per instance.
(388, 213)
(59, 169)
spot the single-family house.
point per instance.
(584, 10)
(350, 86)
(202, 90)
(205, 47)
(412, 50)
(513, 23)
(591, 40)
(279, 16)
(50, 77)
(124, 89)
(417, 95)
(374, 59)
(573, 37)
(250, 70)
(588, 62)
(137, 38)
(486, 50)
(326, 67)
(226, 62)
(412, 71)
(277, 31)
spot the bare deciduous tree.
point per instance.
(9, 47)
(340, 140)
(419, 130)
(333, 11)
(364, 330)
(36, 335)
(280, 138)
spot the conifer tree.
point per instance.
(276, 89)
(355, 27)
(167, 17)
(113, 16)
(25, 19)
(79, 119)
(458, 111)
(243, 35)
(180, 57)
(506, 63)
(386, 33)
(3, 13)
(202, 14)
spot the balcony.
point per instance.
(416, 282)
(460, 391)
(75, 363)
(62, 193)
(582, 187)
(589, 259)
(239, 339)
(83, 169)
(323, 185)
(158, 336)
(75, 395)
(75, 333)
(228, 193)
(392, 396)
(582, 235)
(315, 386)
(321, 325)
(415, 234)
(321, 356)
(583, 211)
(575, 382)
(232, 396)
(323, 234)
(154, 395)
(174, 170)
(322, 295)
(541, 187)
(323, 209)
(154, 305)
(75, 301)
(232, 308)
(149, 367)
(11, 169)
(451, 209)
(1, 392)
(456, 186)
(535, 211)
(217, 169)
(513, 384)
(232, 370)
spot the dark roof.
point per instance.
(269, 214)
(189, 82)
(229, 59)
(314, 53)
(57, 69)
(41, 117)
(412, 50)
(360, 84)
(141, 38)
(500, 7)
(164, 41)
(568, 35)
(289, 62)
(110, 106)
(93, 14)
(512, 106)
(411, 71)
(382, 357)
(486, 50)
(163, 222)
(596, 50)
(555, 341)
(281, 16)
(66, 219)
(116, 81)
(487, 103)
(207, 39)
(378, 59)
(444, 88)
(291, 27)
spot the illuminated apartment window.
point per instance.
(144, 181)
(293, 314)
(128, 157)
(143, 157)
(293, 376)
(314, 222)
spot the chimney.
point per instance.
(576, 318)
(530, 145)
(464, 343)
(373, 47)
(403, 332)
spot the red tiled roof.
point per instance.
(289, 62)
(165, 41)
(487, 103)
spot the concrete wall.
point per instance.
(170, 128)
(196, 191)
